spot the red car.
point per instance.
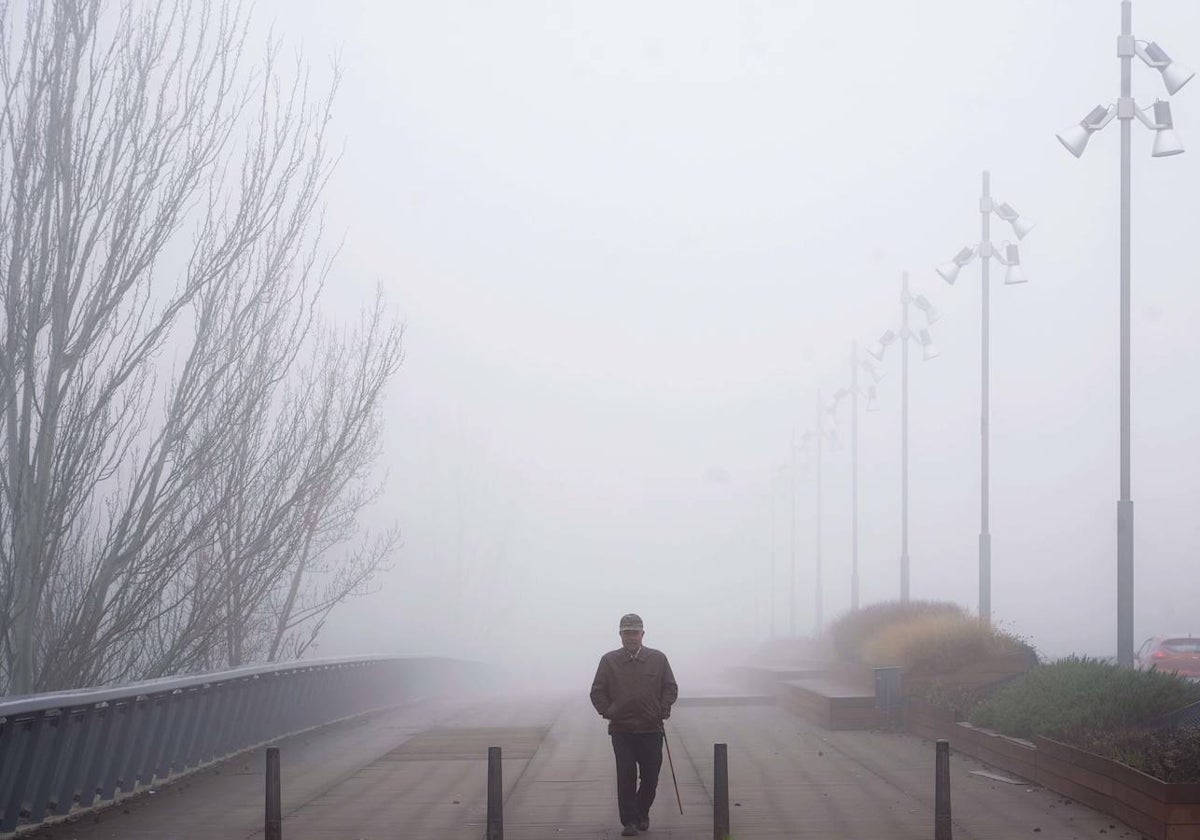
(1180, 654)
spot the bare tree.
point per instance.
(288, 547)
(158, 210)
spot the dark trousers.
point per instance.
(637, 751)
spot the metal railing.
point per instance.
(76, 749)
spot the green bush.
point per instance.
(1073, 697)
(850, 631)
(950, 696)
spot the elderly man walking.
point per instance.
(634, 690)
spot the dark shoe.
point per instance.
(630, 830)
(643, 825)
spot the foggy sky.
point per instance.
(631, 241)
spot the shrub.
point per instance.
(950, 696)
(850, 631)
(1076, 696)
(939, 644)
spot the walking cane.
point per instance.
(672, 764)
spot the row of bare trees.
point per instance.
(186, 445)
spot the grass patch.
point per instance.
(1073, 698)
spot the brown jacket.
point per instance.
(634, 693)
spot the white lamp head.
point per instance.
(1012, 258)
(876, 372)
(1076, 137)
(1020, 225)
(931, 314)
(928, 350)
(877, 349)
(1175, 75)
(949, 271)
(1166, 141)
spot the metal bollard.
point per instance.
(720, 792)
(273, 829)
(495, 797)
(941, 793)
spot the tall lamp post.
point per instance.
(818, 596)
(792, 549)
(1010, 257)
(781, 474)
(1166, 143)
(928, 351)
(854, 392)
(819, 436)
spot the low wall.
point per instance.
(1159, 810)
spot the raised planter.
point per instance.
(832, 703)
(1159, 810)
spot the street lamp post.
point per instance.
(1010, 257)
(854, 475)
(877, 352)
(904, 558)
(1075, 138)
(792, 584)
(854, 392)
(779, 473)
(818, 616)
(904, 561)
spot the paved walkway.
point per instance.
(420, 772)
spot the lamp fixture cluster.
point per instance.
(922, 337)
(1008, 254)
(1175, 76)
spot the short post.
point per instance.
(495, 797)
(720, 792)
(273, 828)
(941, 793)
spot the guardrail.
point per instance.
(77, 749)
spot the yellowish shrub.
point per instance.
(937, 644)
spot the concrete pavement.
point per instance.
(420, 772)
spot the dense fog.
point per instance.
(631, 242)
